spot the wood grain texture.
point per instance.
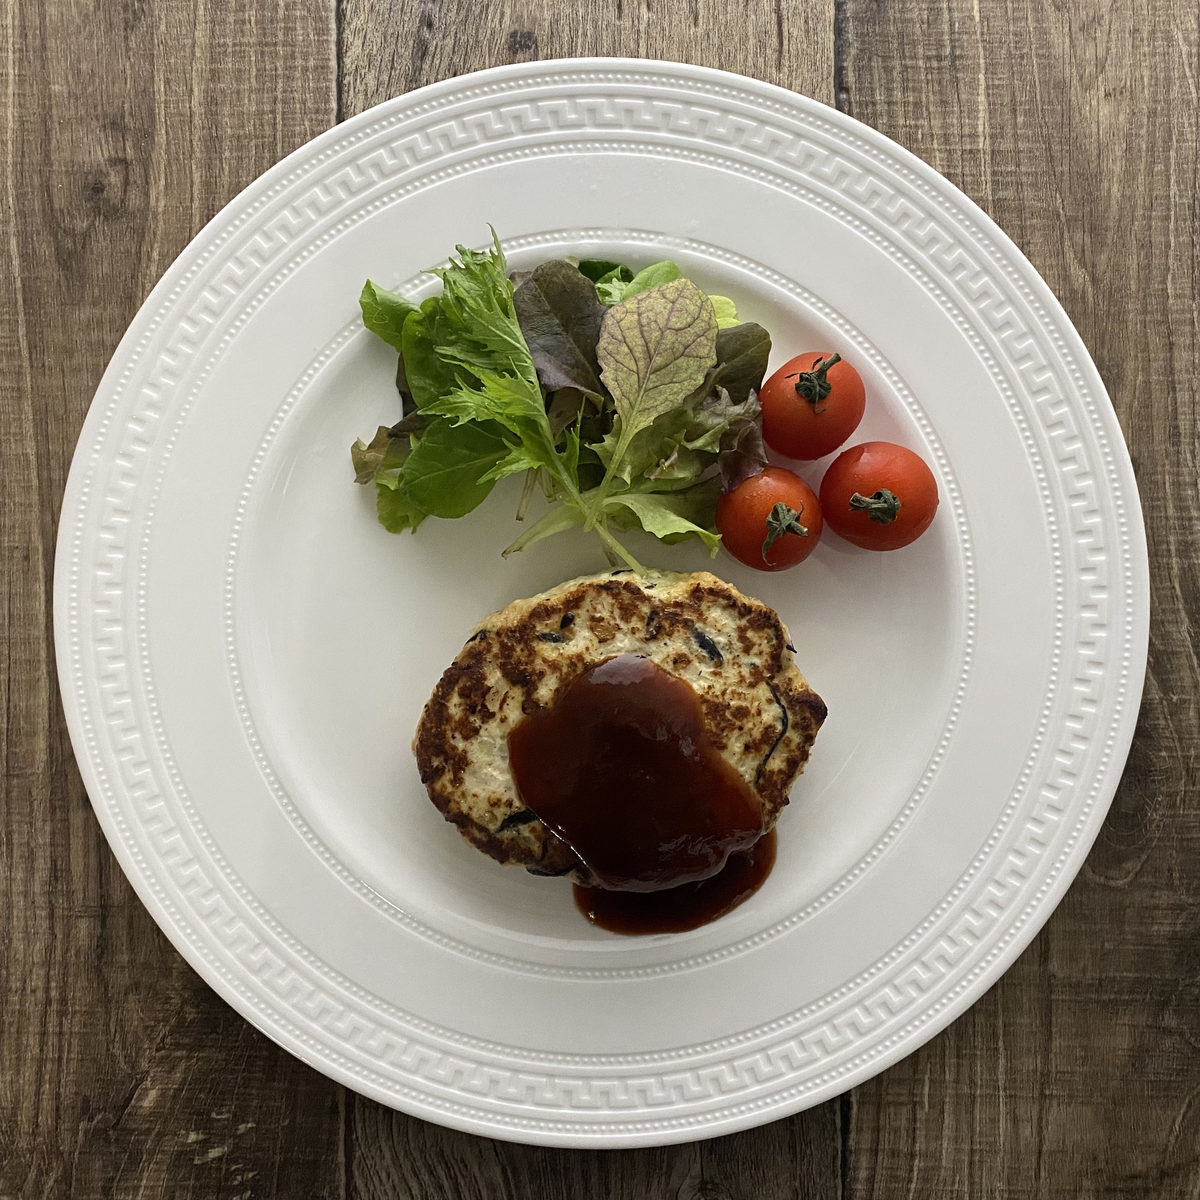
(391, 49)
(393, 1156)
(1077, 126)
(127, 125)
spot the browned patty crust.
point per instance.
(734, 651)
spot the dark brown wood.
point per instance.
(394, 1156)
(126, 126)
(1077, 126)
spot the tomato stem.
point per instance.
(811, 385)
(780, 520)
(883, 506)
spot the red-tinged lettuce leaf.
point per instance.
(381, 461)
(564, 407)
(655, 351)
(407, 404)
(560, 316)
(742, 452)
(415, 422)
(680, 446)
(384, 450)
(742, 354)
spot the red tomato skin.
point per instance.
(867, 468)
(793, 427)
(742, 519)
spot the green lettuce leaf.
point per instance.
(492, 396)
(611, 286)
(557, 520)
(674, 516)
(384, 312)
(742, 354)
(444, 475)
(597, 269)
(516, 460)
(726, 311)
(396, 512)
(480, 328)
(704, 421)
(679, 446)
(427, 375)
(655, 275)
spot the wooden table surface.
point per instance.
(128, 123)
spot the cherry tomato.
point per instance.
(879, 495)
(811, 405)
(771, 520)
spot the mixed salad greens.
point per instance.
(628, 399)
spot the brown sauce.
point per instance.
(621, 768)
(688, 906)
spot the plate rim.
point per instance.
(1121, 466)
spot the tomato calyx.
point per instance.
(883, 507)
(811, 385)
(781, 520)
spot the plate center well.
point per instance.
(342, 631)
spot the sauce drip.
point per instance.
(621, 768)
(688, 906)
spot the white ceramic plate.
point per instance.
(244, 652)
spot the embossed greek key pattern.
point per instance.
(985, 288)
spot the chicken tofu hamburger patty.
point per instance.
(733, 651)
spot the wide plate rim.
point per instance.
(682, 73)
